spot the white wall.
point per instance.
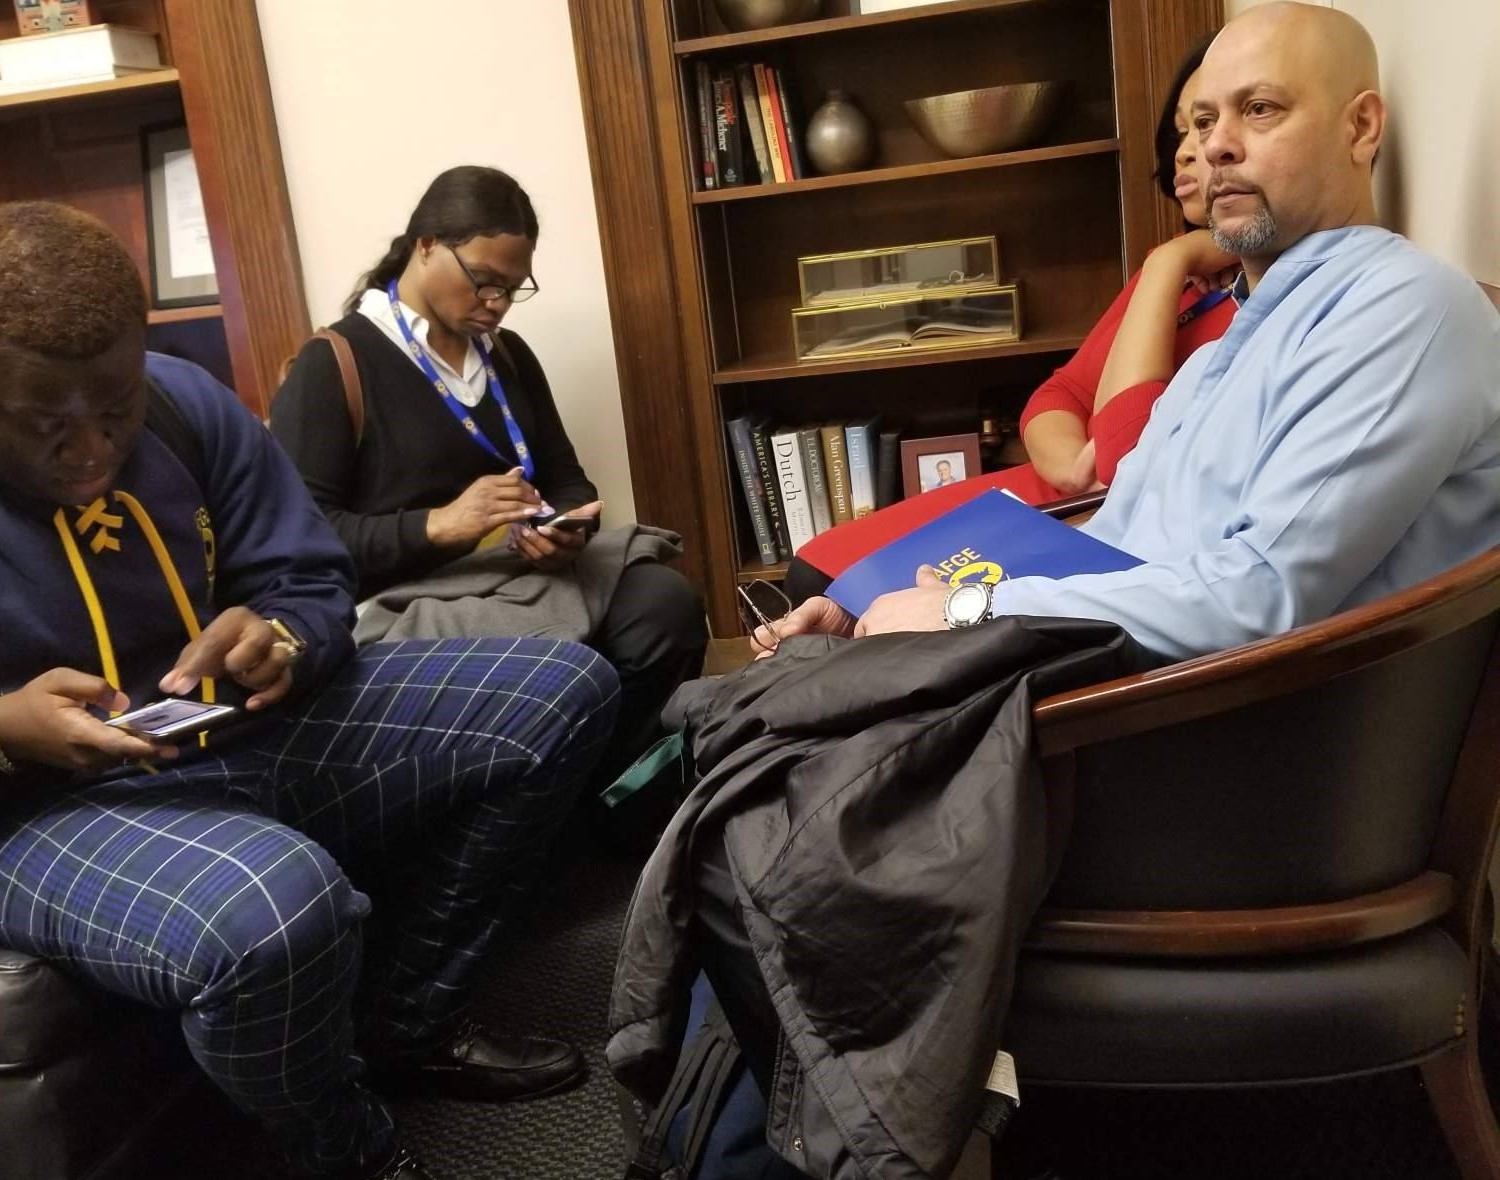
(375, 97)
(1438, 179)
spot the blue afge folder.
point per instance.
(990, 539)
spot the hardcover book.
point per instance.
(836, 466)
(750, 484)
(860, 443)
(706, 154)
(744, 74)
(992, 538)
(729, 154)
(791, 482)
(817, 478)
(887, 469)
(760, 443)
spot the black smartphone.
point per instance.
(172, 717)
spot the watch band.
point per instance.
(291, 644)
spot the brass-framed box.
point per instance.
(860, 276)
(924, 321)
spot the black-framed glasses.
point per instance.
(489, 292)
(761, 603)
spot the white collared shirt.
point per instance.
(469, 387)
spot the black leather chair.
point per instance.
(1272, 864)
(83, 1076)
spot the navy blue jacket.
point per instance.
(250, 535)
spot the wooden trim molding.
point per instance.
(1221, 933)
(646, 306)
(227, 99)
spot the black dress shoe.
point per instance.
(489, 1067)
(403, 1166)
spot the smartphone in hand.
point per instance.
(171, 718)
(566, 524)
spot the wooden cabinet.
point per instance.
(1073, 214)
(82, 145)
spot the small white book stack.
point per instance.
(70, 57)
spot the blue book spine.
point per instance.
(859, 442)
(992, 538)
(755, 493)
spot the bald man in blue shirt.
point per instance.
(1340, 442)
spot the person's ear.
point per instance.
(425, 246)
(1366, 126)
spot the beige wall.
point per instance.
(375, 97)
(1438, 180)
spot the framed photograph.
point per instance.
(177, 242)
(931, 463)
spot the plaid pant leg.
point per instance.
(163, 889)
(438, 773)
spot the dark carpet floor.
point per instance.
(555, 979)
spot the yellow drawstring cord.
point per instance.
(96, 610)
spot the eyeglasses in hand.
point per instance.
(760, 603)
(489, 292)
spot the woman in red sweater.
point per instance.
(1088, 415)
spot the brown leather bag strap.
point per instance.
(354, 393)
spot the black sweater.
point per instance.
(414, 455)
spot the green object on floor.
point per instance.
(644, 770)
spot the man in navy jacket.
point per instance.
(155, 541)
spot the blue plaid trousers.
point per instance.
(433, 773)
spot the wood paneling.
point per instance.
(646, 305)
(232, 126)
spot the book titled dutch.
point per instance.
(994, 537)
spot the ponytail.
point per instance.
(381, 274)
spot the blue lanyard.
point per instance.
(1209, 301)
(456, 407)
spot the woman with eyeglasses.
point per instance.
(462, 446)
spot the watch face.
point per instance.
(968, 604)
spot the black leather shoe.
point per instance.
(403, 1166)
(490, 1067)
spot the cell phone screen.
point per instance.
(172, 716)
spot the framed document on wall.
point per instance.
(177, 242)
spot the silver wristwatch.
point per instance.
(968, 603)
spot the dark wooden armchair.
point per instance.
(1272, 863)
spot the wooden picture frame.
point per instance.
(177, 245)
(929, 463)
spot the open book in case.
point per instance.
(1072, 206)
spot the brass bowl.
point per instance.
(994, 119)
(740, 16)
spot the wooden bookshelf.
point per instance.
(1067, 151)
(833, 26)
(702, 283)
(153, 84)
(82, 145)
(183, 315)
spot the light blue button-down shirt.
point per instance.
(1341, 441)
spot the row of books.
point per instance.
(800, 480)
(747, 126)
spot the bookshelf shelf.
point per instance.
(155, 84)
(1066, 151)
(180, 315)
(779, 368)
(755, 571)
(838, 25)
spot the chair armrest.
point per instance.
(1073, 505)
(1275, 666)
